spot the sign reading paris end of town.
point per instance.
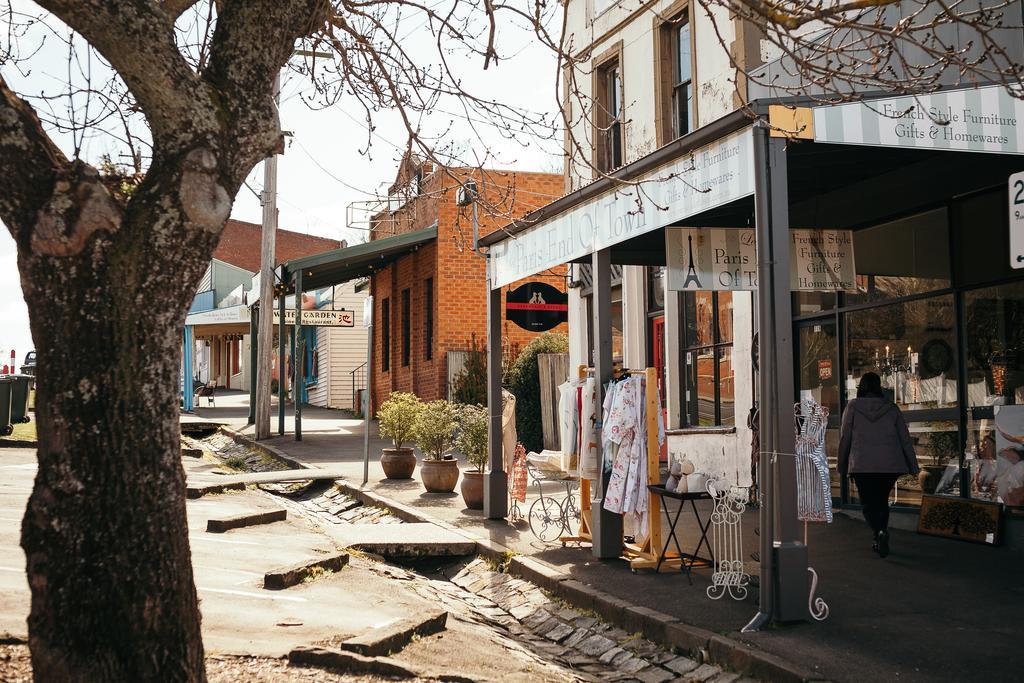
(713, 175)
(726, 259)
(975, 119)
(1017, 220)
(536, 306)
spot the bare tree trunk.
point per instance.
(105, 532)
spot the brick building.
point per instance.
(433, 301)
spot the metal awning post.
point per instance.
(606, 526)
(188, 351)
(282, 376)
(784, 583)
(298, 357)
(254, 316)
(496, 488)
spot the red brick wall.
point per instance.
(460, 289)
(240, 245)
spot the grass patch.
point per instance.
(501, 563)
(22, 432)
(316, 573)
(235, 462)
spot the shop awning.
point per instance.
(350, 263)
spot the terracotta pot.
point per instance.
(472, 488)
(929, 477)
(398, 463)
(439, 476)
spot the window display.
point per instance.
(912, 346)
(995, 392)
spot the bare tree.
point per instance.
(109, 256)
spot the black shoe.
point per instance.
(874, 545)
(883, 543)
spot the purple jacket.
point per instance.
(875, 439)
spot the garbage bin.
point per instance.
(19, 398)
(6, 385)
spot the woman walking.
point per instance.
(876, 449)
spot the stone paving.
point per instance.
(336, 507)
(551, 631)
(592, 648)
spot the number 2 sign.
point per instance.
(1017, 220)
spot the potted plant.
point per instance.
(434, 432)
(943, 447)
(472, 443)
(397, 418)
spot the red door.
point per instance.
(658, 361)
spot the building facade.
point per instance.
(219, 320)
(430, 305)
(851, 237)
(655, 75)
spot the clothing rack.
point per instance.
(647, 554)
(584, 534)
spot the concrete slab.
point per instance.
(278, 477)
(221, 524)
(392, 638)
(413, 540)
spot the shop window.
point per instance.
(902, 258)
(655, 289)
(809, 303)
(406, 327)
(428, 318)
(911, 345)
(995, 392)
(608, 119)
(385, 334)
(709, 391)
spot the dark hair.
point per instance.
(870, 385)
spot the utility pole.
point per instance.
(265, 331)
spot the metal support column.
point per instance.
(282, 375)
(254, 316)
(496, 488)
(298, 357)
(606, 526)
(784, 577)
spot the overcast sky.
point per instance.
(323, 169)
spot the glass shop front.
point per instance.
(939, 315)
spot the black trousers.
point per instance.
(874, 490)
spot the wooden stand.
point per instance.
(647, 553)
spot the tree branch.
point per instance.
(252, 42)
(30, 164)
(137, 38)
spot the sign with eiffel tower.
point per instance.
(726, 259)
(711, 259)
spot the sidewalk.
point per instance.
(934, 610)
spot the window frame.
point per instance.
(385, 334)
(428, 319)
(716, 346)
(607, 124)
(406, 327)
(666, 54)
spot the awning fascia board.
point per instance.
(356, 261)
